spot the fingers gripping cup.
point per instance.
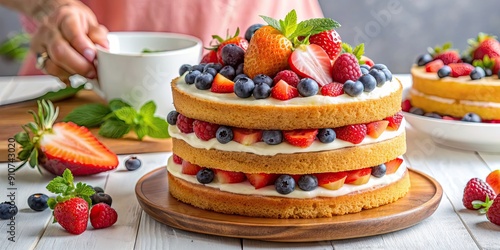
(139, 66)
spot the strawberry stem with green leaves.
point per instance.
(293, 30)
(65, 189)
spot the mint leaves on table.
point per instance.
(118, 118)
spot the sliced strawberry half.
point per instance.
(300, 137)
(375, 129)
(313, 62)
(224, 176)
(283, 91)
(358, 176)
(190, 168)
(394, 121)
(260, 180)
(331, 181)
(221, 84)
(460, 69)
(434, 66)
(247, 136)
(352, 133)
(393, 165)
(330, 41)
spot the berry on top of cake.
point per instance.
(463, 86)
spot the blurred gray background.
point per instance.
(395, 32)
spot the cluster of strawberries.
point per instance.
(483, 196)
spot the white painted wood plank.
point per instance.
(453, 168)
(491, 159)
(155, 235)
(263, 245)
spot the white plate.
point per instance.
(472, 136)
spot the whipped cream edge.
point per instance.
(451, 101)
(245, 188)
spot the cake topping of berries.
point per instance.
(445, 53)
(484, 44)
(330, 41)
(346, 67)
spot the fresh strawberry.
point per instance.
(224, 176)
(434, 66)
(406, 105)
(460, 69)
(476, 189)
(496, 65)
(63, 145)
(358, 176)
(331, 181)
(261, 180)
(493, 179)
(375, 129)
(102, 215)
(395, 121)
(445, 53)
(184, 124)
(482, 45)
(393, 165)
(190, 168)
(221, 84)
(247, 136)
(288, 76)
(346, 67)
(177, 159)
(366, 60)
(283, 91)
(205, 130)
(330, 41)
(493, 213)
(272, 45)
(351, 133)
(333, 89)
(210, 57)
(311, 61)
(71, 206)
(300, 137)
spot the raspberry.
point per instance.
(177, 159)
(395, 121)
(406, 105)
(102, 216)
(205, 130)
(333, 89)
(185, 124)
(288, 76)
(476, 189)
(493, 213)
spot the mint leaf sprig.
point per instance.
(65, 189)
(118, 118)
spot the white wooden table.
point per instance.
(450, 227)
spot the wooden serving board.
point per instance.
(13, 116)
(421, 202)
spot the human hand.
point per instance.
(68, 36)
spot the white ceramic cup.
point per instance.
(125, 72)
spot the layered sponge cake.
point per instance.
(461, 86)
(309, 139)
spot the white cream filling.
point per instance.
(261, 148)
(451, 101)
(246, 188)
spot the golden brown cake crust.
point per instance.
(299, 163)
(276, 207)
(286, 117)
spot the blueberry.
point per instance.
(285, 184)
(101, 197)
(424, 59)
(98, 190)
(272, 137)
(251, 30)
(369, 82)
(379, 76)
(308, 182)
(211, 71)
(353, 88)
(239, 69)
(232, 54)
(261, 91)
(261, 78)
(326, 135)
(172, 117)
(388, 74)
(38, 201)
(7, 210)
(191, 76)
(477, 73)
(205, 176)
(444, 71)
(488, 72)
(216, 66)
(133, 163)
(238, 76)
(243, 88)
(364, 70)
(364, 66)
(433, 115)
(379, 171)
(467, 59)
(184, 68)
(228, 72)
(471, 117)
(417, 111)
(200, 67)
(307, 87)
(224, 134)
(204, 81)
(379, 66)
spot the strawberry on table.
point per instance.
(346, 67)
(63, 145)
(330, 41)
(493, 179)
